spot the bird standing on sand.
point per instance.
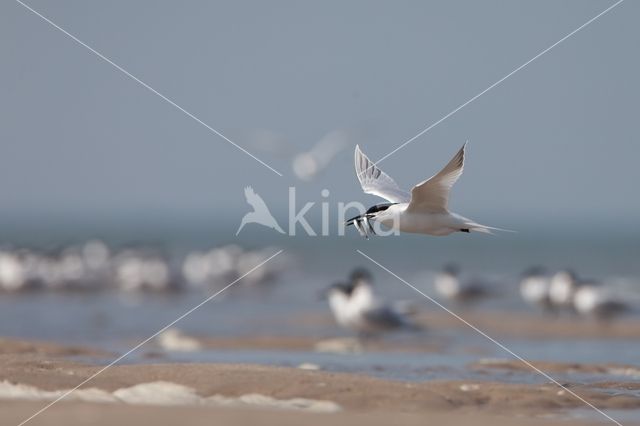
(534, 288)
(260, 213)
(424, 211)
(355, 307)
(450, 286)
(562, 288)
(598, 302)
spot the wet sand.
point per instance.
(247, 393)
(532, 325)
(73, 413)
(14, 347)
(497, 324)
(559, 367)
(301, 343)
(511, 324)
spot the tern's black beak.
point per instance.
(362, 224)
(352, 221)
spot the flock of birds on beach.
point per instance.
(94, 266)
(354, 302)
(356, 307)
(562, 292)
(565, 291)
(553, 293)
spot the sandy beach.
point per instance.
(531, 325)
(280, 378)
(32, 373)
(106, 414)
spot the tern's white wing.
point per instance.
(375, 181)
(432, 195)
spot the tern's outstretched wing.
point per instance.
(375, 181)
(432, 195)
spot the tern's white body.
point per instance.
(437, 224)
(363, 313)
(424, 210)
(450, 286)
(598, 302)
(351, 311)
(562, 288)
(339, 304)
(534, 289)
(362, 297)
(447, 285)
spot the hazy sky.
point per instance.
(555, 142)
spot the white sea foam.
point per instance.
(163, 393)
(258, 400)
(159, 393)
(309, 366)
(21, 391)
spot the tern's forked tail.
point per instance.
(476, 227)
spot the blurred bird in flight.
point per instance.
(309, 164)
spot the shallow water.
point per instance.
(116, 323)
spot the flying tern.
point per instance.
(425, 210)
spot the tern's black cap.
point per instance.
(360, 273)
